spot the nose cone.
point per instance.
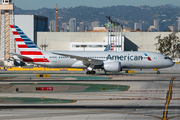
(171, 63)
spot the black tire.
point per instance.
(158, 72)
(88, 72)
(93, 72)
(105, 72)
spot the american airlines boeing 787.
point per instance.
(109, 61)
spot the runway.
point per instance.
(149, 96)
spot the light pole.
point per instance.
(116, 30)
(115, 24)
(113, 34)
(108, 17)
(121, 35)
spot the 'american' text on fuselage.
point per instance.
(125, 57)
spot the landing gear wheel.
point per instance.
(88, 72)
(158, 72)
(93, 72)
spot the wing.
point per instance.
(84, 59)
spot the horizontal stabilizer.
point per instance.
(20, 56)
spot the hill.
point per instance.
(126, 15)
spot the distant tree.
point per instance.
(169, 45)
(138, 29)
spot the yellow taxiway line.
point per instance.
(169, 97)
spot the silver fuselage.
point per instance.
(131, 60)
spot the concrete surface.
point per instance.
(150, 96)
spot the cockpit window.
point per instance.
(166, 58)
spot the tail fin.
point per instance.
(110, 47)
(25, 45)
(29, 52)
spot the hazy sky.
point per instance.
(36, 4)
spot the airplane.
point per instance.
(109, 61)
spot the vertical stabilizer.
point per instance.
(24, 44)
(27, 47)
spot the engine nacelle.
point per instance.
(112, 66)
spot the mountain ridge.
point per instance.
(126, 15)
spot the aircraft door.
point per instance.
(155, 59)
(44, 57)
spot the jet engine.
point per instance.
(112, 66)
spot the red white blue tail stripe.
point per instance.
(27, 47)
(23, 42)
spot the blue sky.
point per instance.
(36, 4)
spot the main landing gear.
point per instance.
(91, 72)
(158, 72)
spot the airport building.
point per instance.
(65, 41)
(30, 24)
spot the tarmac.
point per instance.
(143, 95)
